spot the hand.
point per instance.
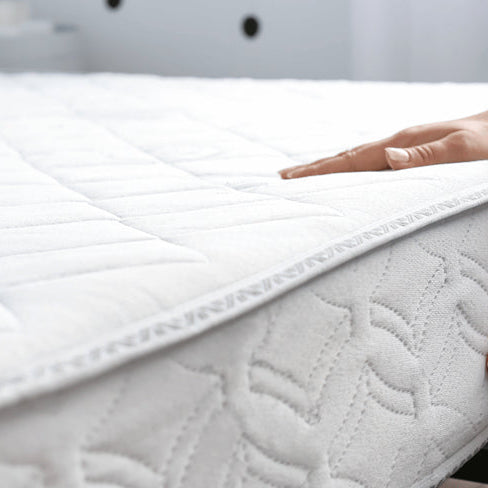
(444, 142)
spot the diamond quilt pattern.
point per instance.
(365, 389)
(139, 213)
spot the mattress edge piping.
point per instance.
(194, 317)
(452, 464)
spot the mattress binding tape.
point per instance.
(197, 316)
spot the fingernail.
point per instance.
(397, 154)
(285, 172)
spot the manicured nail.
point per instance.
(285, 172)
(397, 154)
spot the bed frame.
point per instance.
(476, 469)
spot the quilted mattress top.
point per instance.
(138, 211)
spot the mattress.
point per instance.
(173, 314)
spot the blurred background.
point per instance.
(411, 40)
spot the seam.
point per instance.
(189, 419)
(386, 270)
(347, 315)
(229, 464)
(47, 224)
(119, 454)
(475, 261)
(91, 272)
(463, 313)
(472, 425)
(393, 310)
(424, 294)
(75, 248)
(453, 466)
(313, 264)
(286, 374)
(404, 391)
(395, 335)
(66, 185)
(476, 281)
(345, 421)
(383, 404)
(451, 356)
(438, 292)
(111, 406)
(393, 467)
(356, 481)
(462, 332)
(309, 414)
(99, 423)
(196, 443)
(267, 453)
(255, 474)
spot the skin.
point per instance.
(443, 142)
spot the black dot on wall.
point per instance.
(250, 26)
(114, 3)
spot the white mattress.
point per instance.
(173, 314)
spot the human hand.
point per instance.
(443, 142)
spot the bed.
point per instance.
(173, 314)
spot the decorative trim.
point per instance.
(215, 308)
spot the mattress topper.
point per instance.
(139, 211)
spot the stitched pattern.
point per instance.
(356, 415)
(272, 408)
(345, 420)
(393, 467)
(280, 281)
(452, 337)
(391, 329)
(442, 268)
(310, 412)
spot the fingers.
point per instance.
(452, 148)
(417, 146)
(370, 157)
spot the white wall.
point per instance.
(421, 40)
(380, 32)
(299, 38)
(431, 40)
(449, 40)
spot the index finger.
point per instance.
(370, 157)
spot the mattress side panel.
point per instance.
(371, 375)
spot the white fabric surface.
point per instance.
(138, 212)
(369, 376)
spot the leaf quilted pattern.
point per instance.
(172, 315)
(346, 406)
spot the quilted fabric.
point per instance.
(138, 212)
(370, 376)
